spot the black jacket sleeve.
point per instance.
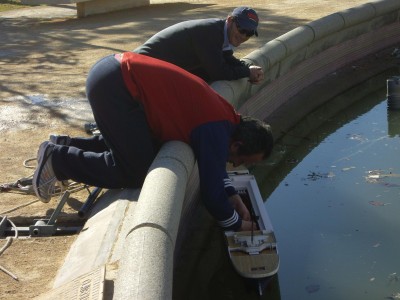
(196, 46)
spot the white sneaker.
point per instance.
(44, 179)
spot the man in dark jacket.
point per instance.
(140, 102)
(205, 47)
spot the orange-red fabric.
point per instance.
(175, 101)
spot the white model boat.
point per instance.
(254, 254)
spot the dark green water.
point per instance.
(334, 200)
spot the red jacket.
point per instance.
(181, 106)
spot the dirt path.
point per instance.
(45, 55)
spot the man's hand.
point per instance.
(239, 206)
(248, 226)
(256, 74)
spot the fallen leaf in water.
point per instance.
(374, 176)
(348, 168)
(330, 175)
(377, 203)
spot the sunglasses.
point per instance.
(248, 33)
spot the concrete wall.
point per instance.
(146, 263)
(133, 232)
(85, 7)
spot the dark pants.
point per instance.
(122, 155)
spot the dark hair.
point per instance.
(255, 135)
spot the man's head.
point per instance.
(251, 142)
(242, 24)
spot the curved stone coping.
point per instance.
(146, 264)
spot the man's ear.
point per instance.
(236, 145)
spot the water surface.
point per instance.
(334, 201)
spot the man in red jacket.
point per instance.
(140, 102)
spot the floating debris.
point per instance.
(377, 203)
(316, 175)
(377, 176)
(331, 175)
(394, 296)
(393, 278)
(357, 137)
(348, 169)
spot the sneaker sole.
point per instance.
(36, 175)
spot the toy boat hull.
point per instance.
(254, 254)
(258, 265)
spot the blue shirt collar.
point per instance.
(226, 46)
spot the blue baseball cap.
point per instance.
(246, 18)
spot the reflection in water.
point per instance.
(393, 117)
(333, 195)
(393, 104)
(393, 93)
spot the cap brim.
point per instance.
(248, 25)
